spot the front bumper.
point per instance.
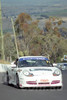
(40, 82)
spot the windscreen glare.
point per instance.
(34, 63)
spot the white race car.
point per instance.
(34, 71)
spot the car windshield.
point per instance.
(34, 63)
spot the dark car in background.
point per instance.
(62, 66)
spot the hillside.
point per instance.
(35, 2)
(38, 9)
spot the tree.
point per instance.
(34, 41)
(10, 50)
(36, 45)
(28, 30)
(0, 45)
(54, 46)
(52, 25)
(21, 21)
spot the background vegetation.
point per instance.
(33, 41)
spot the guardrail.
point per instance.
(3, 67)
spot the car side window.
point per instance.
(19, 63)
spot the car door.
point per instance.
(13, 73)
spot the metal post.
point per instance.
(15, 38)
(3, 56)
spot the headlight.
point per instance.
(27, 73)
(56, 73)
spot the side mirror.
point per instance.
(13, 65)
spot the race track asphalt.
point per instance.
(12, 93)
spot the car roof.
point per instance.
(33, 58)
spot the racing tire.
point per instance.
(17, 81)
(7, 78)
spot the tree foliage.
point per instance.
(22, 21)
(9, 47)
(28, 30)
(33, 41)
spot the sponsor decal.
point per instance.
(33, 58)
(65, 57)
(44, 80)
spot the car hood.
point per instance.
(40, 70)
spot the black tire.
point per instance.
(17, 81)
(7, 78)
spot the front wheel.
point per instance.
(7, 78)
(17, 81)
